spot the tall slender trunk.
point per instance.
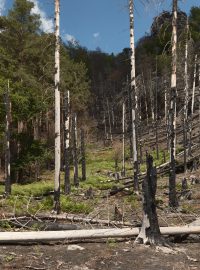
(130, 118)
(185, 111)
(146, 100)
(57, 109)
(105, 127)
(135, 100)
(123, 140)
(172, 113)
(67, 186)
(156, 110)
(109, 120)
(83, 161)
(75, 157)
(7, 156)
(199, 99)
(192, 107)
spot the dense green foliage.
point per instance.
(27, 61)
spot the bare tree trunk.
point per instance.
(135, 100)
(192, 107)
(67, 186)
(185, 112)
(57, 108)
(172, 113)
(150, 231)
(123, 141)
(130, 118)
(7, 156)
(156, 111)
(199, 100)
(75, 157)
(109, 119)
(146, 100)
(83, 161)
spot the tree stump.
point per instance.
(150, 231)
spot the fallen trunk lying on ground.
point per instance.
(44, 236)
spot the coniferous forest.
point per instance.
(100, 152)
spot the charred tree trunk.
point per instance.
(67, 186)
(75, 156)
(135, 99)
(150, 231)
(7, 156)
(83, 161)
(172, 113)
(57, 109)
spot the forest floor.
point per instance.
(33, 199)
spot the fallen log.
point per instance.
(90, 220)
(45, 236)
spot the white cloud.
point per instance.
(2, 6)
(70, 39)
(46, 24)
(96, 35)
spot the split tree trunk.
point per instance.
(57, 108)
(150, 231)
(83, 161)
(135, 100)
(172, 113)
(67, 186)
(75, 156)
(7, 156)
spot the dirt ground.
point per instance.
(95, 256)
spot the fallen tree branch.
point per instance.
(44, 236)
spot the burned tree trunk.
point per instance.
(67, 186)
(172, 112)
(7, 156)
(57, 109)
(150, 231)
(75, 156)
(83, 161)
(135, 99)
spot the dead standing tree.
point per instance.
(135, 100)
(57, 109)
(83, 161)
(150, 231)
(7, 155)
(192, 107)
(66, 141)
(75, 156)
(123, 140)
(172, 113)
(185, 110)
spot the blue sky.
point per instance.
(101, 23)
